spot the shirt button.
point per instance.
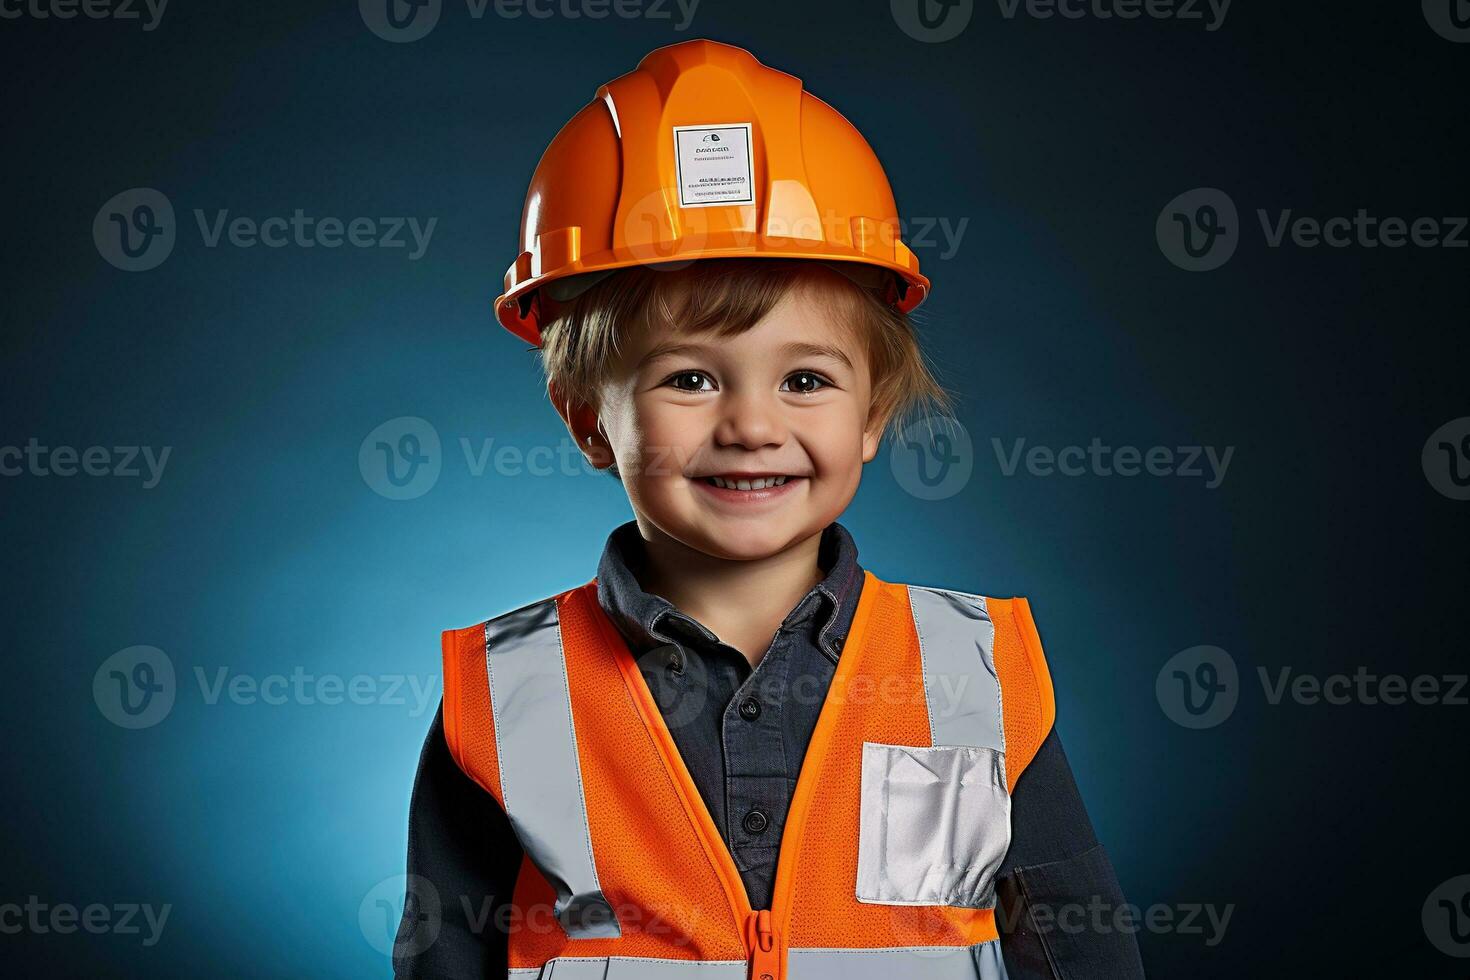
(750, 709)
(755, 822)
(676, 662)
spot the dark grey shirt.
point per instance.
(743, 734)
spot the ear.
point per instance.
(873, 432)
(581, 421)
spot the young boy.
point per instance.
(734, 752)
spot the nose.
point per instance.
(751, 419)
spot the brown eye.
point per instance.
(806, 382)
(685, 376)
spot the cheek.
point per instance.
(664, 440)
(837, 444)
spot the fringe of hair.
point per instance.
(582, 340)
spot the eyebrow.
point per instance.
(792, 348)
(797, 348)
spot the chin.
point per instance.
(746, 540)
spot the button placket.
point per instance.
(758, 785)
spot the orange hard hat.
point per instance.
(702, 152)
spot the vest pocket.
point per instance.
(934, 825)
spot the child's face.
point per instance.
(790, 396)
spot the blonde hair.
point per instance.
(581, 339)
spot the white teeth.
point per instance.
(761, 483)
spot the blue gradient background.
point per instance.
(263, 550)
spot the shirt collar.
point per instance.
(647, 620)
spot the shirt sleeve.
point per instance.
(1058, 901)
(463, 858)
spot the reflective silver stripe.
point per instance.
(957, 644)
(540, 772)
(930, 962)
(982, 962)
(633, 968)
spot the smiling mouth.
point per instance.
(747, 483)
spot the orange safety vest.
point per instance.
(897, 827)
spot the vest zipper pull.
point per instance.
(765, 956)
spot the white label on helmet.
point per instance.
(715, 165)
